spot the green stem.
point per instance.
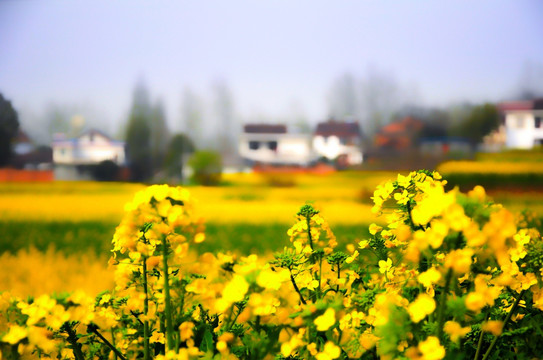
(319, 293)
(308, 221)
(146, 335)
(167, 300)
(240, 309)
(505, 322)
(72, 339)
(94, 329)
(338, 274)
(442, 304)
(480, 342)
(296, 288)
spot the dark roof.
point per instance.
(22, 137)
(338, 128)
(536, 104)
(95, 132)
(402, 126)
(265, 129)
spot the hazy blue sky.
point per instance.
(273, 54)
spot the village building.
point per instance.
(522, 121)
(399, 135)
(339, 141)
(73, 157)
(272, 144)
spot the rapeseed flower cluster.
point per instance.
(449, 275)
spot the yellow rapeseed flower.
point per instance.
(455, 330)
(431, 349)
(429, 277)
(494, 327)
(15, 334)
(385, 266)
(326, 320)
(331, 351)
(423, 305)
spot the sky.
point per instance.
(277, 57)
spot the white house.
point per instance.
(271, 144)
(72, 157)
(339, 139)
(522, 120)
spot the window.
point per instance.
(272, 145)
(254, 145)
(537, 122)
(519, 122)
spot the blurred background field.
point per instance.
(194, 98)
(59, 230)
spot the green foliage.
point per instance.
(179, 146)
(466, 181)
(138, 144)
(81, 237)
(9, 126)
(481, 120)
(106, 170)
(207, 167)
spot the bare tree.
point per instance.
(192, 115)
(160, 135)
(344, 97)
(227, 125)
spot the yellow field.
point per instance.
(32, 273)
(488, 167)
(343, 197)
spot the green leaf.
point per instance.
(207, 341)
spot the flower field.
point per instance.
(417, 272)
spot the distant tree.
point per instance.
(160, 135)
(106, 170)
(344, 98)
(481, 120)
(57, 120)
(9, 127)
(225, 115)
(179, 146)
(138, 136)
(206, 167)
(530, 85)
(192, 115)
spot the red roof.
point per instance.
(337, 128)
(536, 104)
(405, 125)
(265, 129)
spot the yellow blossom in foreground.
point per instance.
(374, 228)
(385, 266)
(236, 289)
(455, 330)
(493, 326)
(331, 351)
(15, 334)
(431, 349)
(429, 277)
(459, 260)
(326, 320)
(186, 330)
(423, 305)
(270, 279)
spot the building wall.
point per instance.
(521, 132)
(331, 147)
(277, 148)
(88, 149)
